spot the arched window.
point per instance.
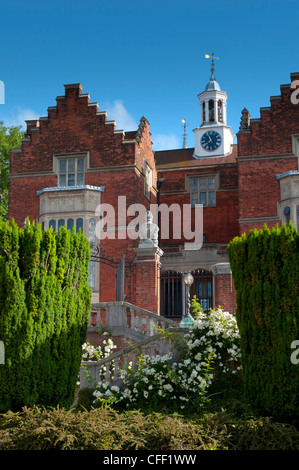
(60, 223)
(287, 214)
(79, 225)
(91, 277)
(70, 224)
(92, 230)
(211, 111)
(52, 224)
(220, 111)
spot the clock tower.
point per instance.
(213, 138)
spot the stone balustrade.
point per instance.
(108, 369)
(125, 319)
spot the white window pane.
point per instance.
(80, 164)
(194, 198)
(212, 198)
(62, 180)
(194, 184)
(62, 166)
(91, 278)
(71, 179)
(92, 228)
(211, 183)
(203, 199)
(80, 179)
(202, 183)
(71, 165)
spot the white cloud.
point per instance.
(118, 113)
(165, 142)
(19, 116)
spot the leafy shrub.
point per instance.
(44, 314)
(265, 268)
(106, 429)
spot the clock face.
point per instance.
(210, 140)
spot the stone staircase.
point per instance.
(134, 324)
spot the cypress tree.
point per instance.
(265, 268)
(44, 312)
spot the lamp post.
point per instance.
(187, 319)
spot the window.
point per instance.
(70, 224)
(92, 230)
(203, 191)
(211, 111)
(205, 294)
(147, 180)
(79, 225)
(52, 224)
(297, 215)
(91, 277)
(60, 223)
(220, 111)
(71, 172)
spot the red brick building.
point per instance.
(73, 162)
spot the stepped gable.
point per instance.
(144, 150)
(75, 124)
(270, 133)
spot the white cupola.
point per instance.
(213, 137)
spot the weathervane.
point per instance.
(184, 135)
(212, 65)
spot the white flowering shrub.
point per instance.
(211, 345)
(217, 333)
(156, 380)
(95, 353)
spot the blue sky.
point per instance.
(146, 58)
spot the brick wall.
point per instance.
(265, 150)
(116, 162)
(220, 223)
(225, 294)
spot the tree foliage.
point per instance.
(10, 137)
(44, 313)
(265, 268)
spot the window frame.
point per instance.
(57, 158)
(148, 180)
(204, 190)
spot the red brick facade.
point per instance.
(250, 190)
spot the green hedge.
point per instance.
(265, 269)
(44, 312)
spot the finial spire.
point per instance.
(212, 77)
(184, 135)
